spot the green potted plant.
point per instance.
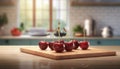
(78, 31)
(3, 21)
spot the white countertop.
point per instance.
(12, 58)
(48, 37)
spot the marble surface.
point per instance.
(12, 58)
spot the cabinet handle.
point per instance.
(98, 42)
(6, 41)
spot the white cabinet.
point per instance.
(6, 2)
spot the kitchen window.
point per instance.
(44, 13)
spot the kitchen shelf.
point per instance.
(6, 2)
(94, 4)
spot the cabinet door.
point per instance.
(4, 42)
(110, 42)
(104, 42)
(19, 42)
(36, 41)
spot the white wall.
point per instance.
(103, 15)
(12, 13)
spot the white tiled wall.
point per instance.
(103, 15)
(11, 12)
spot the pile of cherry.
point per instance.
(61, 45)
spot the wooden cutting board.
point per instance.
(91, 52)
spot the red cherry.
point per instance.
(84, 45)
(68, 46)
(62, 41)
(43, 45)
(75, 44)
(51, 45)
(58, 47)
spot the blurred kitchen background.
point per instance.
(47, 13)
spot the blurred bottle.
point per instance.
(60, 32)
(89, 26)
(107, 32)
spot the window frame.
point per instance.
(50, 15)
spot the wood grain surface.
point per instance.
(91, 52)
